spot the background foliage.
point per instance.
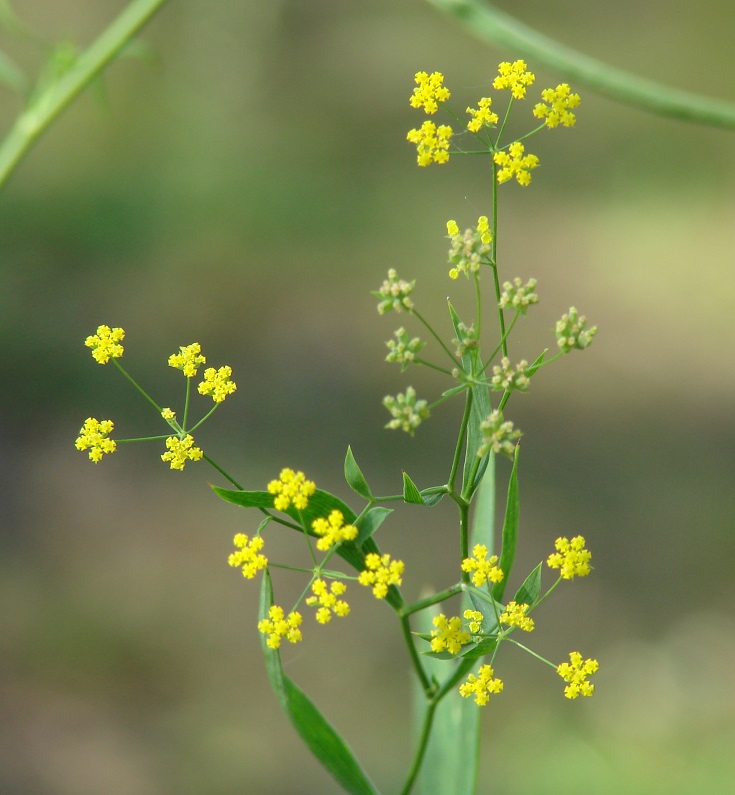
(246, 186)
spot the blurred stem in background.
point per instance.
(46, 103)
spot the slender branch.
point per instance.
(33, 121)
(489, 24)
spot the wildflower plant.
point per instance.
(455, 659)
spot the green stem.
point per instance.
(424, 680)
(489, 24)
(225, 475)
(434, 599)
(460, 439)
(137, 386)
(496, 277)
(421, 750)
(33, 121)
(435, 336)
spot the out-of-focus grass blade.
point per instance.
(510, 530)
(318, 734)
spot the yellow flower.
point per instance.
(327, 601)
(514, 77)
(484, 570)
(432, 143)
(560, 100)
(474, 619)
(429, 91)
(93, 437)
(380, 573)
(571, 558)
(188, 360)
(482, 116)
(449, 634)
(217, 383)
(514, 163)
(180, 451)
(291, 487)
(248, 556)
(576, 673)
(333, 530)
(278, 625)
(515, 616)
(481, 686)
(105, 344)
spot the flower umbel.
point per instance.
(278, 625)
(482, 116)
(333, 530)
(507, 378)
(576, 673)
(380, 573)
(429, 91)
(571, 331)
(449, 634)
(498, 435)
(291, 487)
(325, 599)
(402, 349)
(394, 293)
(517, 295)
(188, 359)
(105, 344)
(481, 686)
(471, 249)
(93, 436)
(181, 450)
(407, 412)
(432, 142)
(217, 383)
(514, 163)
(484, 570)
(248, 556)
(557, 111)
(515, 616)
(515, 77)
(571, 558)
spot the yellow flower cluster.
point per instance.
(188, 359)
(482, 116)
(484, 570)
(481, 686)
(429, 91)
(571, 558)
(278, 625)
(432, 143)
(557, 111)
(326, 599)
(515, 616)
(217, 383)
(474, 620)
(181, 450)
(105, 344)
(514, 163)
(514, 77)
(291, 487)
(576, 673)
(93, 436)
(380, 573)
(333, 530)
(449, 634)
(248, 556)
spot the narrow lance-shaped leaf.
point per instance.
(411, 494)
(319, 735)
(354, 477)
(530, 591)
(510, 530)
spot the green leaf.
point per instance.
(354, 477)
(481, 407)
(318, 734)
(489, 607)
(530, 591)
(510, 529)
(537, 363)
(483, 516)
(245, 499)
(370, 522)
(431, 498)
(410, 493)
(450, 762)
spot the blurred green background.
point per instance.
(246, 186)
